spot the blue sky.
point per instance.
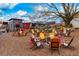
(10, 10)
(21, 6)
(28, 7)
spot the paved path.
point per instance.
(19, 46)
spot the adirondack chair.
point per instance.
(55, 44)
(33, 43)
(69, 32)
(69, 44)
(36, 44)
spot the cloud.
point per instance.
(5, 17)
(46, 8)
(25, 19)
(17, 14)
(41, 8)
(1, 18)
(61, 9)
(4, 5)
(7, 5)
(21, 13)
(12, 5)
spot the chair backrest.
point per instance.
(33, 42)
(71, 41)
(69, 32)
(55, 43)
(42, 35)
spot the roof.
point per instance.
(50, 22)
(14, 19)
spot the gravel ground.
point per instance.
(19, 46)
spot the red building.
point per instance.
(25, 26)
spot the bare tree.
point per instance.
(68, 13)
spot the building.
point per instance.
(14, 24)
(75, 21)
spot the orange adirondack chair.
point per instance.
(55, 44)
